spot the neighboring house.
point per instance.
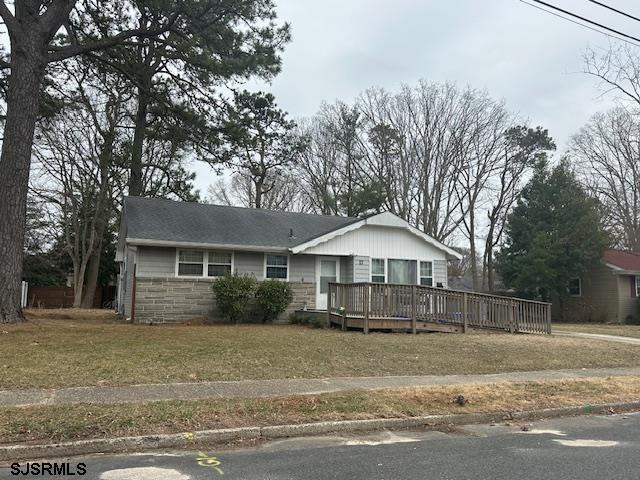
(170, 252)
(607, 293)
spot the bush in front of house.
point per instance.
(273, 298)
(234, 294)
(312, 321)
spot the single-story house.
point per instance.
(607, 293)
(169, 253)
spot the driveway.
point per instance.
(598, 336)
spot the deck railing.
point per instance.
(418, 307)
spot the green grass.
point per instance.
(67, 348)
(599, 328)
(60, 423)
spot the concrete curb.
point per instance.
(194, 439)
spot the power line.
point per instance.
(567, 12)
(628, 15)
(581, 24)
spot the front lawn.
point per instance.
(72, 422)
(599, 328)
(67, 348)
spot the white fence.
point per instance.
(23, 297)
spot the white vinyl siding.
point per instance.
(127, 282)
(440, 273)
(276, 266)
(156, 262)
(346, 270)
(302, 268)
(379, 242)
(249, 263)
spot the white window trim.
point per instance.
(205, 262)
(580, 288)
(637, 285)
(264, 269)
(386, 269)
(419, 273)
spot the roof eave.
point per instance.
(225, 246)
(617, 270)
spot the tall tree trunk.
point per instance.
(472, 254)
(102, 216)
(491, 280)
(91, 282)
(257, 199)
(488, 267)
(78, 285)
(135, 178)
(27, 72)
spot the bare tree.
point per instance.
(523, 147)
(617, 71)
(76, 157)
(606, 153)
(317, 166)
(239, 190)
(483, 122)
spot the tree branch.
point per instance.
(63, 52)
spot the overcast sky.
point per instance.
(529, 58)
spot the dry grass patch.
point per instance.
(600, 328)
(93, 421)
(87, 350)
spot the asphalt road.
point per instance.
(585, 448)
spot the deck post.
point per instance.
(548, 319)
(512, 311)
(414, 328)
(366, 308)
(343, 299)
(465, 312)
(329, 305)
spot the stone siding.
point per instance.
(178, 300)
(304, 297)
(174, 300)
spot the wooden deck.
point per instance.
(415, 308)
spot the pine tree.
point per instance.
(553, 234)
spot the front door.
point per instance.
(327, 270)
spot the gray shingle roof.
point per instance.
(159, 219)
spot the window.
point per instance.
(190, 263)
(196, 263)
(575, 287)
(219, 264)
(637, 285)
(402, 271)
(378, 271)
(426, 274)
(276, 266)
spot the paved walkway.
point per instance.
(599, 336)
(269, 388)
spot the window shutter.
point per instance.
(633, 285)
